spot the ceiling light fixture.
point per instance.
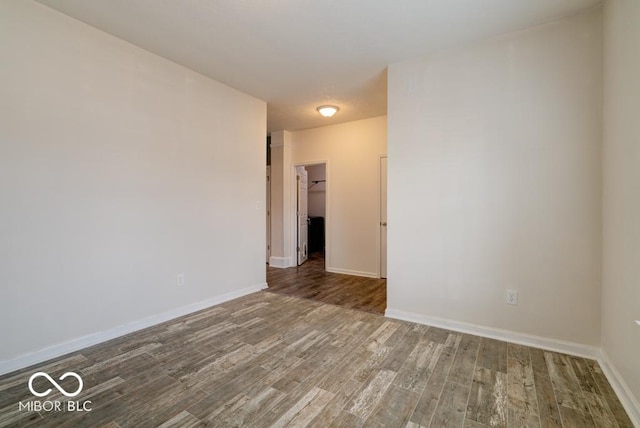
(327, 111)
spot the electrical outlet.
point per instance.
(180, 279)
(512, 297)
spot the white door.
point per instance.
(303, 215)
(383, 217)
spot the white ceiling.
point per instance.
(298, 54)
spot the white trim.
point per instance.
(352, 272)
(79, 343)
(276, 145)
(379, 237)
(626, 397)
(280, 262)
(556, 345)
(268, 214)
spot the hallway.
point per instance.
(311, 281)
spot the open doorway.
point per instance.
(302, 215)
(311, 213)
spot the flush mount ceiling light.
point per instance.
(327, 111)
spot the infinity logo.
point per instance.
(54, 383)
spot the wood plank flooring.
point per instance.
(271, 360)
(311, 281)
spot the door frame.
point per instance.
(302, 248)
(379, 240)
(293, 208)
(268, 202)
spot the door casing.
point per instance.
(302, 215)
(327, 219)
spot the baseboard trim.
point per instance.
(352, 272)
(626, 397)
(79, 343)
(556, 345)
(280, 262)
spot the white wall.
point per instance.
(621, 192)
(495, 182)
(118, 170)
(352, 152)
(282, 239)
(317, 192)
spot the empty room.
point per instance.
(317, 213)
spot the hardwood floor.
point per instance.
(311, 281)
(271, 360)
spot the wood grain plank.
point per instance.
(367, 399)
(225, 392)
(452, 406)
(299, 374)
(585, 378)
(561, 371)
(464, 363)
(609, 395)
(369, 361)
(11, 416)
(394, 408)
(468, 423)
(157, 403)
(492, 355)
(347, 420)
(399, 335)
(518, 419)
(572, 418)
(429, 399)
(566, 386)
(333, 410)
(438, 335)
(488, 398)
(331, 359)
(254, 407)
(573, 399)
(342, 372)
(305, 410)
(399, 353)
(183, 419)
(417, 369)
(521, 383)
(600, 412)
(545, 396)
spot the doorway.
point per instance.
(311, 213)
(302, 215)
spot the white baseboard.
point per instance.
(556, 345)
(79, 343)
(281, 262)
(626, 397)
(352, 272)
